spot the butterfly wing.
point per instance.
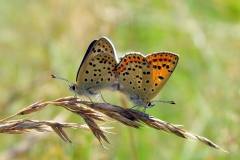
(98, 73)
(134, 75)
(162, 65)
(102, 45)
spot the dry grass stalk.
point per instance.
(126, 116)
(69, 103)
(133, 117)
(26, 125)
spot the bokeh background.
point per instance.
(38, 38)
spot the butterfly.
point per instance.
(96, 70)
(142, 77)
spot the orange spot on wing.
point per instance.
(124, 62)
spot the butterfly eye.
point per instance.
(72, 87)
(149, 105)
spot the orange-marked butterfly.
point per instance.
(142, 77)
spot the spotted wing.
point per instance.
(97, 73)
(134, 75)
(100, 46)
(162, 65)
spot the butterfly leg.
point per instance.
(89, 98)
(134, 107)
(137, 107)
(103, 98)
(75, 95)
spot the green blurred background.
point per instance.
(38, 38)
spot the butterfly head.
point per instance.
(73, 87)
(149, 105)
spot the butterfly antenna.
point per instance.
(57, 77)
(171, 102)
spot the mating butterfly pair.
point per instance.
(139, 77)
